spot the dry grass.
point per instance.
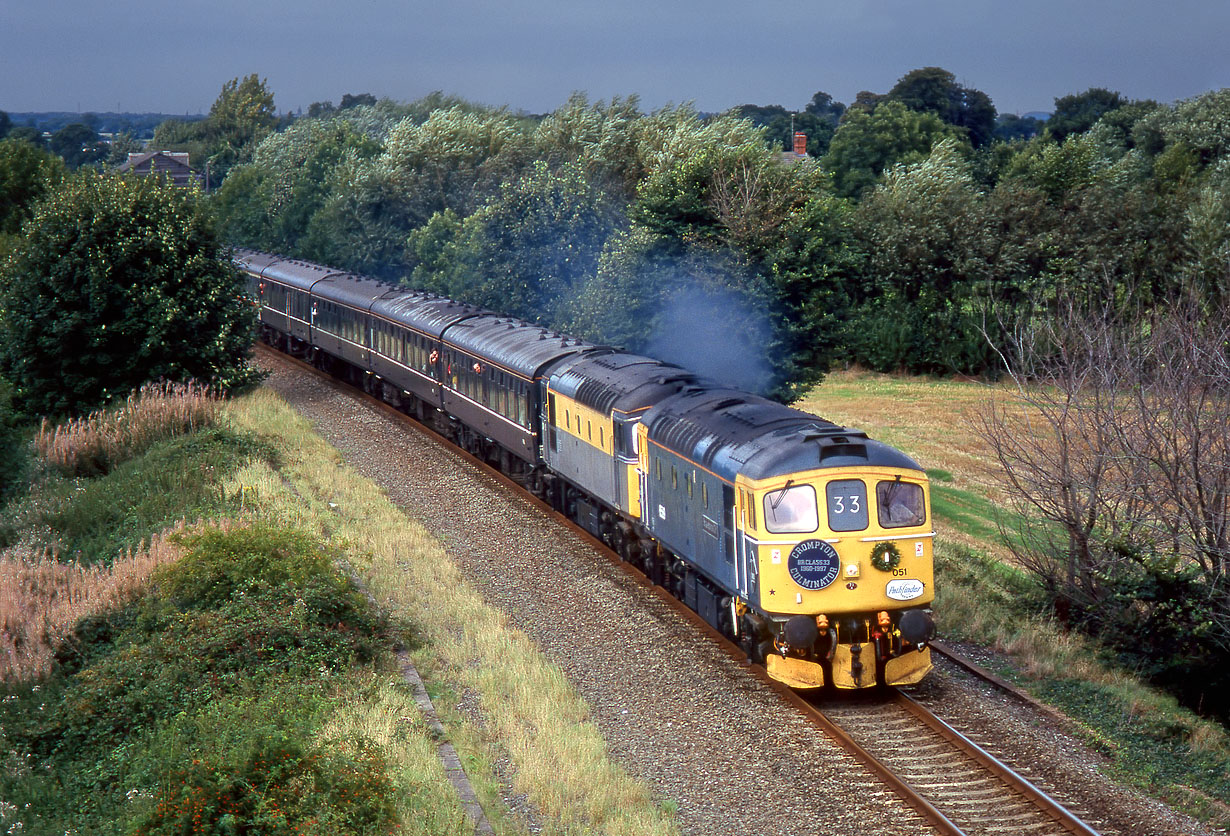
(98, 442)
(387, 715)
(559, 758)
(41, 599)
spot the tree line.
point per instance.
(921, 221)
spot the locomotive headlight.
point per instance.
(851, 570)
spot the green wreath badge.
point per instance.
(885, 556)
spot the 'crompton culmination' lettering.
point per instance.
(813, 564)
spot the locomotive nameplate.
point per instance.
(813, 564)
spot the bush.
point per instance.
(97, 519)
(13, 457)
(118, 281)
(198, 709)
(272, 783)
(1167, 623)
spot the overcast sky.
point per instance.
(173, 56)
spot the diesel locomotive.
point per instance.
(808, 543)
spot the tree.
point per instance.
(528, 250)
(243, 111)
(349, 100)
(6, 124)
(123, 144)
(826, 107)
(78, 145)
(1009, 127)
(1078, 112)
(26, 174)
(780, 125)
(241, 116)
(272, 199)
(28, 133)
(869, 143)
(1114, 451)
(935, 90)
(118, 281)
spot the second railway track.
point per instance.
(975, 793)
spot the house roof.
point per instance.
(174, 161)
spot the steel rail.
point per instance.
(1039, 799)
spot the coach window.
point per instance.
(791, 510)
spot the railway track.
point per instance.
(959, 786)
(956, 786)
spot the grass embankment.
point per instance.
(233, 680)
(1149, 739)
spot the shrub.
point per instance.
(13, 457)
(116, 282)
(274, 784)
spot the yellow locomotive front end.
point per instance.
(844, 557)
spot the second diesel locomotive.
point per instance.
(808, 543)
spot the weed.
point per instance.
(95, 444)
(41, 599)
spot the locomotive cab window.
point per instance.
(846, 504)
(901, 504)
(791, 510)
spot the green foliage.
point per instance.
(868, 144)
(27, 173)
(1063, 170)
(14, 457)
(274, 784)
(240, 117)
(931, 295)
(780, 124)
(1202, 125)
(935, 90)
(96, 519)
(1078, 112)
(118, 281)
(200, 708)
(79, 145)
(270, 202)
(527, 250)
(1166, 621)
